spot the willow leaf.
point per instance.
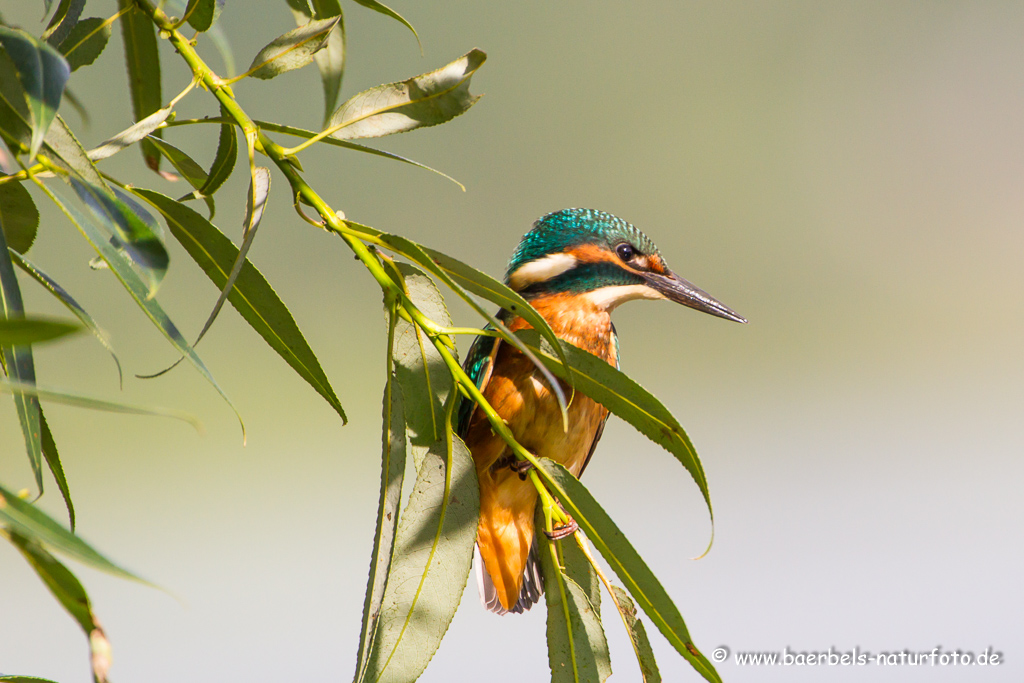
(85, 42)
(637, 636)
(65, 298)
(416, 253)
(388, 12)
(24, 331)
(122, 268)
(293, 50)
(72, 596)
(392, 477)
(330, 60)
(434, 550)
(423, 376)
(143, 61)
(52, 457)
(623, 558)
(129, 136)
(43, 73)
(618, 393)
(27, 520)
(19, 217)
(203, 13)
(64, 149)
(189, 170)
(62, 21)
(127, 231)
(426, 100)
(577, 647)
(299, 132)
(17, 363)
(252, 296)
(223, 161)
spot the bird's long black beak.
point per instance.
(679, 290)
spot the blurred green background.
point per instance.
(847, 175)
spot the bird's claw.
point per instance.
(560, 532)
(521, 467)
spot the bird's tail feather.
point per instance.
(529, 594)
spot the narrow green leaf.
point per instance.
(24, 679)
(620, 554)
(15, 123)
(223, 161)
(434, 551)
(56, 468)
(299, 132)
(143, 61)
(65, 298)
(43, 72)
(426, 100)
(182, 162)
(19, 217)
(64, 149)
(203, 13)
(188, 168)
(85, 42)
(61, 582)
(577, 647)
(255, 205)
(24, 331)
(129, 136)
(330, 60)
(62, 21)
(618, 393)
(392, 477)
(93, 403)
(387, 11)
(423, 376)
(17, 363)
(637, 636)
(292, 50)
(69, 592)
(129, 231)
(27, 520)
(300, 7)
(484, 285)
(132, 202)
(577, 567)
(259, 189)
(124, 271)
(252, 296)
(419, 255)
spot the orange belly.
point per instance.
(508, 503)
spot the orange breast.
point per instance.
(523, 399)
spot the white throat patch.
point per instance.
(540, 270)
(607, 298)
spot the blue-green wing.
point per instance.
(478, 365)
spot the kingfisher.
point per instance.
(574, 267)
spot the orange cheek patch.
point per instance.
(656, 264)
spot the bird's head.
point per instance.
(600, 256)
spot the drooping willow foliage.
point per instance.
(421, 557)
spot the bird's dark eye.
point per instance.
(625, 252)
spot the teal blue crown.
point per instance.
(563, 230)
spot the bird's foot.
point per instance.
(560, 532)
(521, 467)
